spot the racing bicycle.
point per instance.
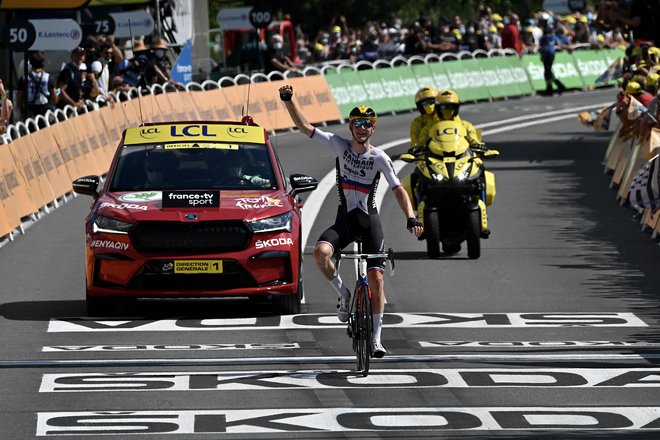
(360, 317)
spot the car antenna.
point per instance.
(130, 31)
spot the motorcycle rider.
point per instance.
(425, 103)
(446, 108)
(359, 166)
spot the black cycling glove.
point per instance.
(412, 222)
(286, 95)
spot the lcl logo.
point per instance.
(237, 131)
(149, 133)
(191, 131)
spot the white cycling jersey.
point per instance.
(358, 174)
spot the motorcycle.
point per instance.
(452, 189)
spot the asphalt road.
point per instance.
(552, 333)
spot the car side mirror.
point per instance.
(301, 183)
(87, 185)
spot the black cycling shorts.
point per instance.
(357, 223)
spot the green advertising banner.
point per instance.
(504, 76)
(433, 74)
(467, 79)
(347, 89)
(400, 85)
(376, 95)
(590, 63)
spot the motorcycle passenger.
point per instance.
(447, 106)
(359, 166)
(425, 103)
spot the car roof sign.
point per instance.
(199, 132)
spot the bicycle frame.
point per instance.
(360, 321)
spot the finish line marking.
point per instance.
(329, 321)
(325, 360)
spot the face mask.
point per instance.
(160, 53)
(277, 46)
(447, 114)
(471, 30)
(429, 109)
(461, 29)
(506, 21)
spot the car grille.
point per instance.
(203, 237)
(151, 278)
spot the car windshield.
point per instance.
(194, 166)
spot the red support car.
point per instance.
(194, 209)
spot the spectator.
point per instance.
(158, 71)
(470, 39)
(40, 88)
(276, 59)
(135, 73)
(651, 83)
(643, 20)
(70, 81)
(253, 54)
(549, 44)
(635, 89)
(5, 109)
(89, 88)
(582, 34)
(511, 34)
(97, 69)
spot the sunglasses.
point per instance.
(429, 102)
(446, 107)
(366, 123)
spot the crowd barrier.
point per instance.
(390, 86)
(623, 159)
(41, 157)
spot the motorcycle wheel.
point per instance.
(451, 248)
(432, 229)
(472, 235)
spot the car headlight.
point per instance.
(110, 225)
(280, 222)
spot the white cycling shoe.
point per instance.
(378, 351)
(343, 304)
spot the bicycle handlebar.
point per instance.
(389, 256)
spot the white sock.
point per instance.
(339, 286)
(378, 325)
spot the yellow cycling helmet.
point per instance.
(362, 112)
(425, 100)
(447, 104)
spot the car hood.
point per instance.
(233, 205)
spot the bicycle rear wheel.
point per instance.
(365, 329)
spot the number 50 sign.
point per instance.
(56, 34)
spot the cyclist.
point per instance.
(359, 166)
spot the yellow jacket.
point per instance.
(422, 137)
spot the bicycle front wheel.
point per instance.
(365, 330)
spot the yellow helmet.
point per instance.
(447, 104)
(425, 100)
(448, 138)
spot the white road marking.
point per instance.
(329, 321)
(283, 420)
(274, 380)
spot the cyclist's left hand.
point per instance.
(414, 226)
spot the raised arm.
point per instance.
(286, 93)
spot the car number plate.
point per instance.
(197, 266)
